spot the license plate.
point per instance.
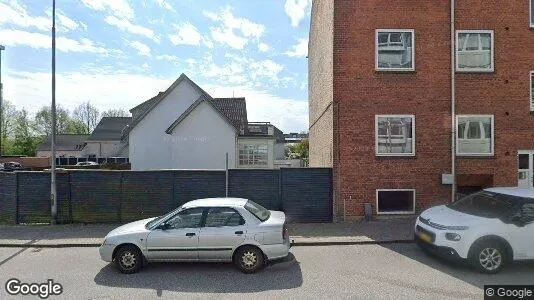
(425, 237)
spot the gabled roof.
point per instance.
(201, 99)
(151, 103)
(110, 129)
(235, 109)
(64, 142)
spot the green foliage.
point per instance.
(300, 150)
(115, 113)
(24, 141)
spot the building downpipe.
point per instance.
(453, 102)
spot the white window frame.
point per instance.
(492, 135)
(395, 212)
(412, 31)
(478, 70)
(413, 135)
(531, 99)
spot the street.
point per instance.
(398, 271)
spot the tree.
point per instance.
(24, 142)
(9, 113)
(43, 121)
(88, 115)
(76, 127)
(115, 113)
(301, 150)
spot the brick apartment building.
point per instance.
(389, 89)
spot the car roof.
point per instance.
(214, 202)
(513, 191)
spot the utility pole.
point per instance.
(53, 190)
(2, 48)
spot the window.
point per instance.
(188, 218)
(474, 135)
(483, 204)
(223, 216)
(532, 13)
(395, 50)
(395, 135)
(253, 155)
(474, 50)
(257, 210)
(527, 212)
(395, 201)
(532, 90)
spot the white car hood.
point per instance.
(137, 226)
(443, 215)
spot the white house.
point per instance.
(107, 139)
(185, 128)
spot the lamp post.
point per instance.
(2, 48)
(53, 190)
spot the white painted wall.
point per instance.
(279, 151)
(202, 140)
(102, 149)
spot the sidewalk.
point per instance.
(92, 235)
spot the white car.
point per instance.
(86, 163)
(217, 229)
(487, 229)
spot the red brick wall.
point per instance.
(360, 93)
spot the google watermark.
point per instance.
(43, 290)
(508, 292)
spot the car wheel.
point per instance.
(249, 259)
(129, 259)
(489, 257)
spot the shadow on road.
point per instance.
(517, 273)
(205, 277)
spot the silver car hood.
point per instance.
(137, 226)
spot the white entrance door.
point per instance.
(525, 174)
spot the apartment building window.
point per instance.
(474, 50)
(395, 135)
(395, 201)
(395, 50)
(474, 135)
(532, 13)
(532, 90)
(253, 155)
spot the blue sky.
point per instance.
(118, 53)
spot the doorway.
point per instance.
(525, 173)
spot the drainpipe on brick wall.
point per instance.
(453, 104)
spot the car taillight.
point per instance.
(285, 233)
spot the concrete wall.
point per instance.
(320, 87)
(102, 148)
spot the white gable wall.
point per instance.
(202, 140)
(149, 146)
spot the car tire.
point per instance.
(249, 259)
(129, 259)
(489, 257)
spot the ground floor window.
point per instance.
(253, 155)
(395, 201)
(474, 135)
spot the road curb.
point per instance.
(293, 244)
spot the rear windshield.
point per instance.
(257, 210)
(483, 204)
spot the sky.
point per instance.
(119, 53)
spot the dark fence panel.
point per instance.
(8, 198)
(95, 196)
(307, 194)
(260, 186)
(64, 207)
(146, 194)
(191, 185)
(33, 197)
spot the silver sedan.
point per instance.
(217, 229)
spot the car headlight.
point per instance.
(453, 236)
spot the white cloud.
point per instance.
(142, 49)
(233, 31)
(187, 34)
(263, 47)
(126, 25)
(146, 66)
(15, 13)
(299, 50)
(167, 57)
(265, 68)
(165, 4)
(296, 10)
(118, 8)
(35, 40)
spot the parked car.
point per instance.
(217, 229)
(12, 166)
(487, 229)
(86, 163)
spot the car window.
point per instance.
(223, 216)
(483, 204)
(527, 212)
(257, 210)
(188, 218)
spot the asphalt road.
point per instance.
(399, 271)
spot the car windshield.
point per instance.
(149, 224)
(483, 204)
(257, 210)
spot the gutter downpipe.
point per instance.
(453, 103)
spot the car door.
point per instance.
(224, 230)
(177, 238)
